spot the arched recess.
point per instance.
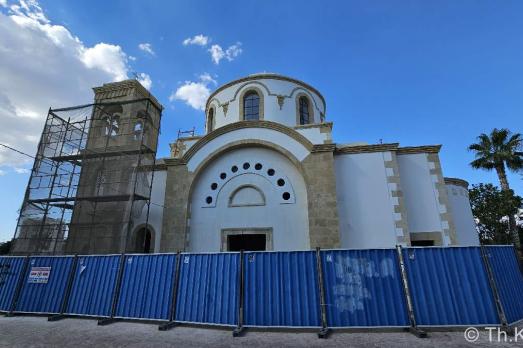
(143, 239)
(288, 220)
(247, 196)
(310, 108)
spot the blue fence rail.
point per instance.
(452, 286)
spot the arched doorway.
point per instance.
(144, 241)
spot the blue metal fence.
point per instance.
(281, 289)
(93, 285)
(208, 289)
(10, 272)
(508, 279)
(42, 294)
(449, 286)
(363, 288)
(147, 287)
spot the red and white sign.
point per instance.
(39, 275)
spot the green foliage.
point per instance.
(498, 148)
(490, 207)
(5, 247)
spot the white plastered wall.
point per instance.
(420, 195)
(365, 206)
(461, 211)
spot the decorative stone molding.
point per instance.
(260, 105)
(418, 149)
(367, 148)
(447, 223)
(396, 197)
(324, 127)
(311, 109)
(281, 100)
(225, 108)
(457, 182)
(323, 148)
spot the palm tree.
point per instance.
(495, 151)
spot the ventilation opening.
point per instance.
(247, 242)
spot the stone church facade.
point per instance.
(267, 175)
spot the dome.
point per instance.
(268, 97)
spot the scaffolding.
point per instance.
(92, 179)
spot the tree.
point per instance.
(5, 247)
(491, 207)
(498, 151)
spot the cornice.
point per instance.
(457, 182)
(116, 89)
(247, 124)
(418, 149)
(366, 148)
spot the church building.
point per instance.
(267, 175)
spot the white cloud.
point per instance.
(22, 170)
(217, 52)
(200, 40)
(147, 48)
(2, 172)
(43, 65)
(145, 80)
(194, 94)
(3, 3)
(132, 58)
(206, 77)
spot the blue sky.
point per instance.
(413, 72)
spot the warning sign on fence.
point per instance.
(39, 275)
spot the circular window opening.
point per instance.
(234, 169)
(223, 176)
(208, 199)
(214, 186)
(258, 166)
(246, 166)
(271, 172)
(286, 196)
(281, 182)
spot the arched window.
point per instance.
(210, 120)
(251, 106)
(304, 110)
(111, 125)
(138, 130)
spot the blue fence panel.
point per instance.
(281, 289)
(41, 295)
(208, 288)
(449, 286)
(93, 285)
(508, 279)
(10, 269)
(363, 288)
(147, 287)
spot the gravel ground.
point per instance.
(25, 331)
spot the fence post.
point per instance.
(172, 310)
(239, 328)
(406, 291)
(65, 300)
(116, 294)
(19, 285)
(324, 332)
(499, 306)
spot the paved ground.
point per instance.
(38, 332)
